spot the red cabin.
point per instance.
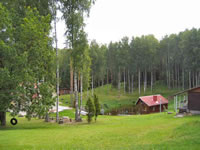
(151, 104)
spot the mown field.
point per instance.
(147, 132)
(158, 131)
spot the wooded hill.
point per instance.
(174, 61)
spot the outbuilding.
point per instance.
(63, 91)
(151, 104)
(188, 100)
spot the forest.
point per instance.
(131, 64)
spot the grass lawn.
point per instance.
(154, 131)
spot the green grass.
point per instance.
(110, 96)
(153, 131)
(147, 132)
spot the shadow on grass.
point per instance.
(38, 124)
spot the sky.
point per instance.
(111, 20)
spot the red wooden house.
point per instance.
(151, 104)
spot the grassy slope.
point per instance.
(155, 131)
(110, 96)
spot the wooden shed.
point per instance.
(188, 100)
(63, 91)
(152, 104)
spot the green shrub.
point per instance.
(97, 106)
(90, 110)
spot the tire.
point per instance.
(13, 121)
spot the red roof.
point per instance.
(153, 100)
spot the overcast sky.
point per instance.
(110, 20)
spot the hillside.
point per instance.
(109, 97)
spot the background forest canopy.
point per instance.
(173, 61)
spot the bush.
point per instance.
(90, 110)
(97, 106)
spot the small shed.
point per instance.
(63, 91)
(188, 100)
(151, 104)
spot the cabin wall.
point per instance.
(142, 107)
(156, 108)
(145, 109)
(194, 101)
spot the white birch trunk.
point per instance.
(81, 91)
(57, 70)
(124, 81)
(196, 79)
(132, 83)
(119, 80)
(129, 83)
(193, 83)
(139, 82)
(145, 78)
(76, 95)
(151, 81)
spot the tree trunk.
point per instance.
(111, 76)
(169, 79)
(151, 81)
(107, 77)
(76, 96)
(178, 76)
(139, 81)
(87, 93)
(183, 82)
(81, 90)
(57, 72)
(47, 117)
(189, 79)
(124, 81)
(71, 83)
(193, 84)
(92, 86)
(129, 83)
(119, 82)
(145, 78)
(3, 118)
(196, 79)
(132, 84)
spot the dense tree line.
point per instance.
(140, 62)
(27, 59)
(27, 56)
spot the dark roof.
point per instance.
(150, 102)
(186, 90)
